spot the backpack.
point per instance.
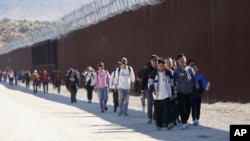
(88, 83)
(138, 84)
(185, 82)
(119, 69)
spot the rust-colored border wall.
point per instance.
(213, 32)
(216, 33)
(19, 59)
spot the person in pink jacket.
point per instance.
(101, 82)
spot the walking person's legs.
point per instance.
(44, 86)
(115, 100)
(149, 106)
(126, 101)
(105, 98)
(158, 114)
(143, 102)
(88, 93)
(100, 97)
(120, 99)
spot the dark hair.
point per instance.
(190, 61)
(161, 61)
(180, 56)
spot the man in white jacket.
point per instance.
(123, 82)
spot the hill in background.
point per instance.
(12, 29)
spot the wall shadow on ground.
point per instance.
(136, 122)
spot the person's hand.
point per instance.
(174, 94)
(155, 92)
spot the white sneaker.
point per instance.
(184, 126)
(143, 109)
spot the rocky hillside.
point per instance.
(12, 29)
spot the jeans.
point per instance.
(143, 100)
(123, 98)
(150, 103)
(103, 97)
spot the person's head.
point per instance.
(181, 60)
(153, 60)
(161, 64)
(118, 64)
(124, 61)
(89, 69)
(169, 63)
(190, 62)
(195, 68)
(44, 72)
(100, 65)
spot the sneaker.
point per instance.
(126, 114)
(120, 113)
(196, 122)
(143, 109)
(184, 126)
(105, 108)
(170, 126)
(175, 124)
(115, 109)
(149, 121)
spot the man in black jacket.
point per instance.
(145, 90)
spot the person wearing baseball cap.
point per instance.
(124, 79)
(101, 82)
(145, 92)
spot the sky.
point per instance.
(40, 10)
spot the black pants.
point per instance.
(11, 81)
(196, 108)
(163, 114)
(89, 92)
(174, 110)
(45, 87)
(115, 99)
(58, 86)
(35, 88)
(184, 103)
(27, 84)
(73, 95)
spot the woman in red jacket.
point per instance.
(45, 80)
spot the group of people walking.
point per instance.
(172, 91)
(172, 88)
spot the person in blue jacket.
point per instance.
(197, 95)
